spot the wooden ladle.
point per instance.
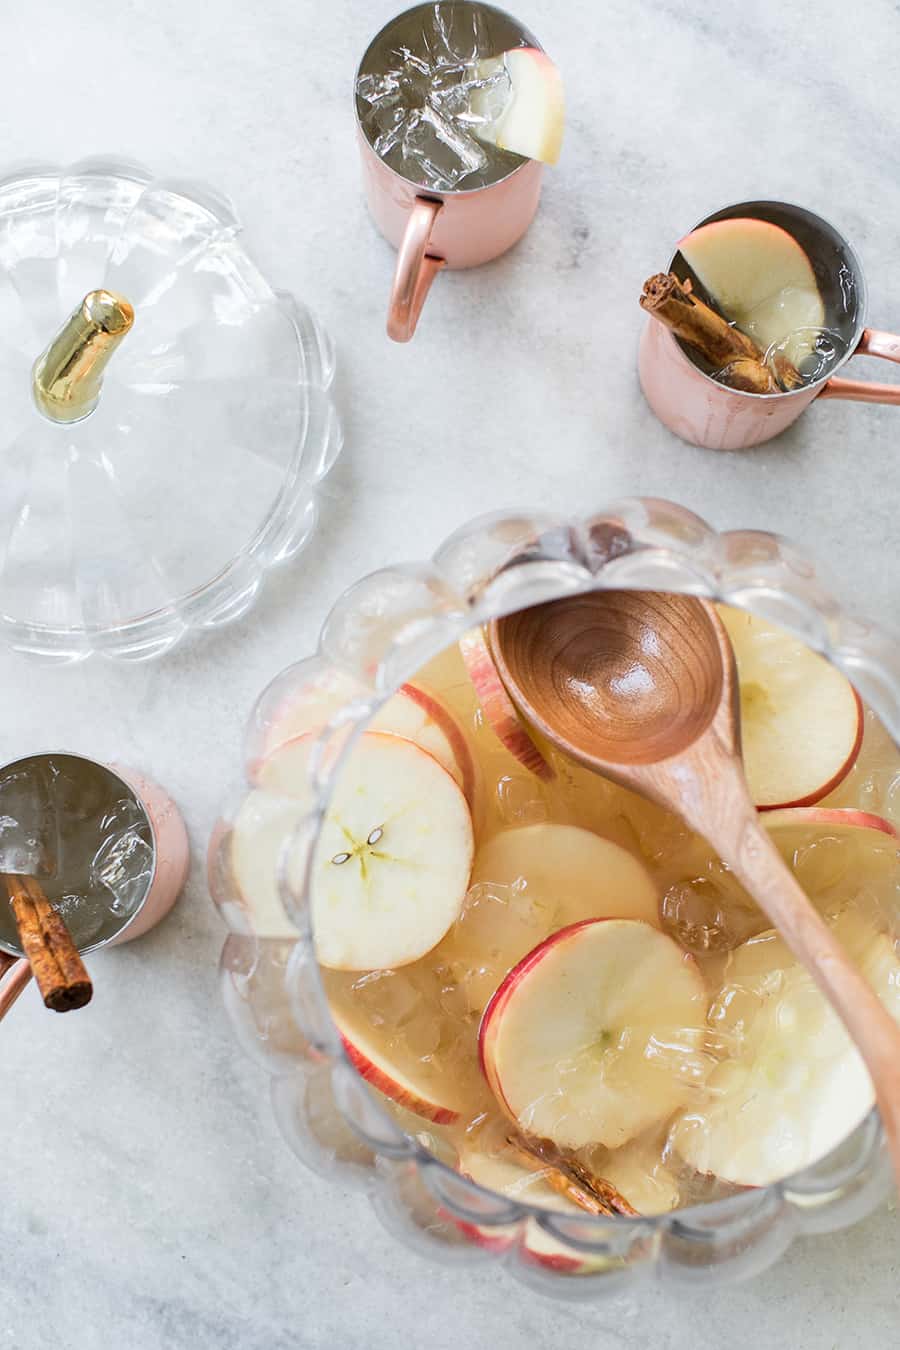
(642, 688)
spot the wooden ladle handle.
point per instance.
(742, 842)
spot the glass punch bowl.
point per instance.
(160, 511)
(380, 632)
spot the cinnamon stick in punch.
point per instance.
(565, 1175)
(47, 943)
(738, 361)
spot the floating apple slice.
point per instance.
(434, 728)
(801, 719)
(402, 1085)
(392, 862)
(761, 280)
(530, 119)
(532, 881)
(834, 819)
(795, 1086)
(412, 712)
(596, 1035)
(499, 1172)
(497, 705)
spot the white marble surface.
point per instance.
(147, 1200)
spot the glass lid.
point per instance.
(166, 418)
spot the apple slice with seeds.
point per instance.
(795, 1086)
(497, 706)
(801, 719)
(761, 280)
(391, 866)
(597, 1034)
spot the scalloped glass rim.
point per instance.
(637, 543)
(292, 517)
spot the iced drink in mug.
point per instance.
(457, 108)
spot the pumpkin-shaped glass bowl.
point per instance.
(380, 632)
(197, 469)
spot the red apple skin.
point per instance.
(380, 1079)
(491, 1241)
(451, 729)
(490, 1018)
(498, 707)
(551, 1261)
(834, 816)
(837, 779)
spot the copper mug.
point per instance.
(703, 411)
(456, 228)
(170, 862)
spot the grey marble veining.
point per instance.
(147, 1200)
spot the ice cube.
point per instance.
(29, 843)
(122, 865)
(519, 801)
(428, 135)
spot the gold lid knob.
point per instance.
(67, 377)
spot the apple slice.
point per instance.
(434, 728)
(500, 1173)
(529, 882)
(835, 819)
(498, 707)
(412, 712)
(531, 118)
(801, 719)
(596, 1035)
(761, 280)
(401, 1084)
(795, 1086)
(391, 867)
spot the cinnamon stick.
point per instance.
(47, 943)
(568, 1177)
(736, 358)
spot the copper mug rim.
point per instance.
(821, 226)
(438, 194)
(134, 796)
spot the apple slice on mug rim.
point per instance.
(531, 120)
(761, 279)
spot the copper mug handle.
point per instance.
(15, 972)
(416, 270)
(872, 343)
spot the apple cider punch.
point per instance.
(554, 983)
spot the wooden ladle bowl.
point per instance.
(642, 688)
(617, 676)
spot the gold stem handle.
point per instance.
(68, 376)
